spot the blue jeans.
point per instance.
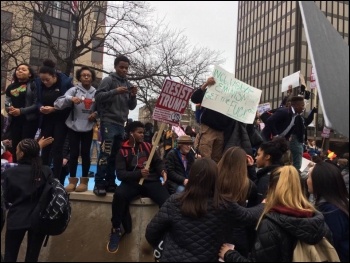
(296, 149)
(112, 136)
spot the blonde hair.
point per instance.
(233, 183)
(285, 190)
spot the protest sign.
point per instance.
(264, 107)
(232, 97)
(172, 102)
(292, 79)
(325, 132)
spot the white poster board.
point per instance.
(292, 79)
(232, 97)
(264, 107)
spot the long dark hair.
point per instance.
(31, 154)
(328, 183)
(200, 187)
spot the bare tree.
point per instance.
(122, 27)
(172, 58)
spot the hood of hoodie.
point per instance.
(119, 78)
(300, 225)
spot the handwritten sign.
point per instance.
(264, 107)
(172, 102)
(232, 97)
(292, 79)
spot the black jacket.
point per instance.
(277, 123)
(277, 236)
(196, 240)
(300, 125)
(263, 180)
(21, 194)
(211, 118)
(30, 109)
(176, 170)
(129, 162)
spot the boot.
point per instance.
(83, 186)
(72, 184)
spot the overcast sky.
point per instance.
(208, 24)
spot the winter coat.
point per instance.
(236, 135)
(338, 223)
(176, 170)
(211, 118)
(78, 118)
(130, 161)
(22, 194)
(277, 236)
(114, 107)
(189, 239)
(263, 180)
(30, 109)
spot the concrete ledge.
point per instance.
(86, 237)
(91, 197)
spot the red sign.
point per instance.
(172, 102)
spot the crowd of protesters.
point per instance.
(229, 192)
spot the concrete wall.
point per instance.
(85, 239)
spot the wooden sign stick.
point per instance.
(154, 147)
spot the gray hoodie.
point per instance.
(114, 107)
(78, 117)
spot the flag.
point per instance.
(330, 59)
(74, 7)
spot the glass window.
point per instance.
(97, 53)
(64, 33)
(292, 36)
(56, 31)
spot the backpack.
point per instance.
(323, 251)
(53, 211)
(267, 114)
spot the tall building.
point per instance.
(271, 44)
(30, 46)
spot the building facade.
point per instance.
(23, 36)
(271, 44)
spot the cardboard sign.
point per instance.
(264, 107)
(172, 102)
(232, 97)
(292, 79)
(325, 132)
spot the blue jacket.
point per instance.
(66, 84)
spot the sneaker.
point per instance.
(99, 190)
(114, 238)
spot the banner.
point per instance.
(292, 79)
(264, 107)
(326, 132)
(313, 83)
(172, 102)
(232, 97)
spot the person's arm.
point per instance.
(43, 142)
(310, 117)
(67, 99)
(105, 93)
(198, 94)
(160, 223)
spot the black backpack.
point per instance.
(53, 211)
(267, 114)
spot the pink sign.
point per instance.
(172, 102)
